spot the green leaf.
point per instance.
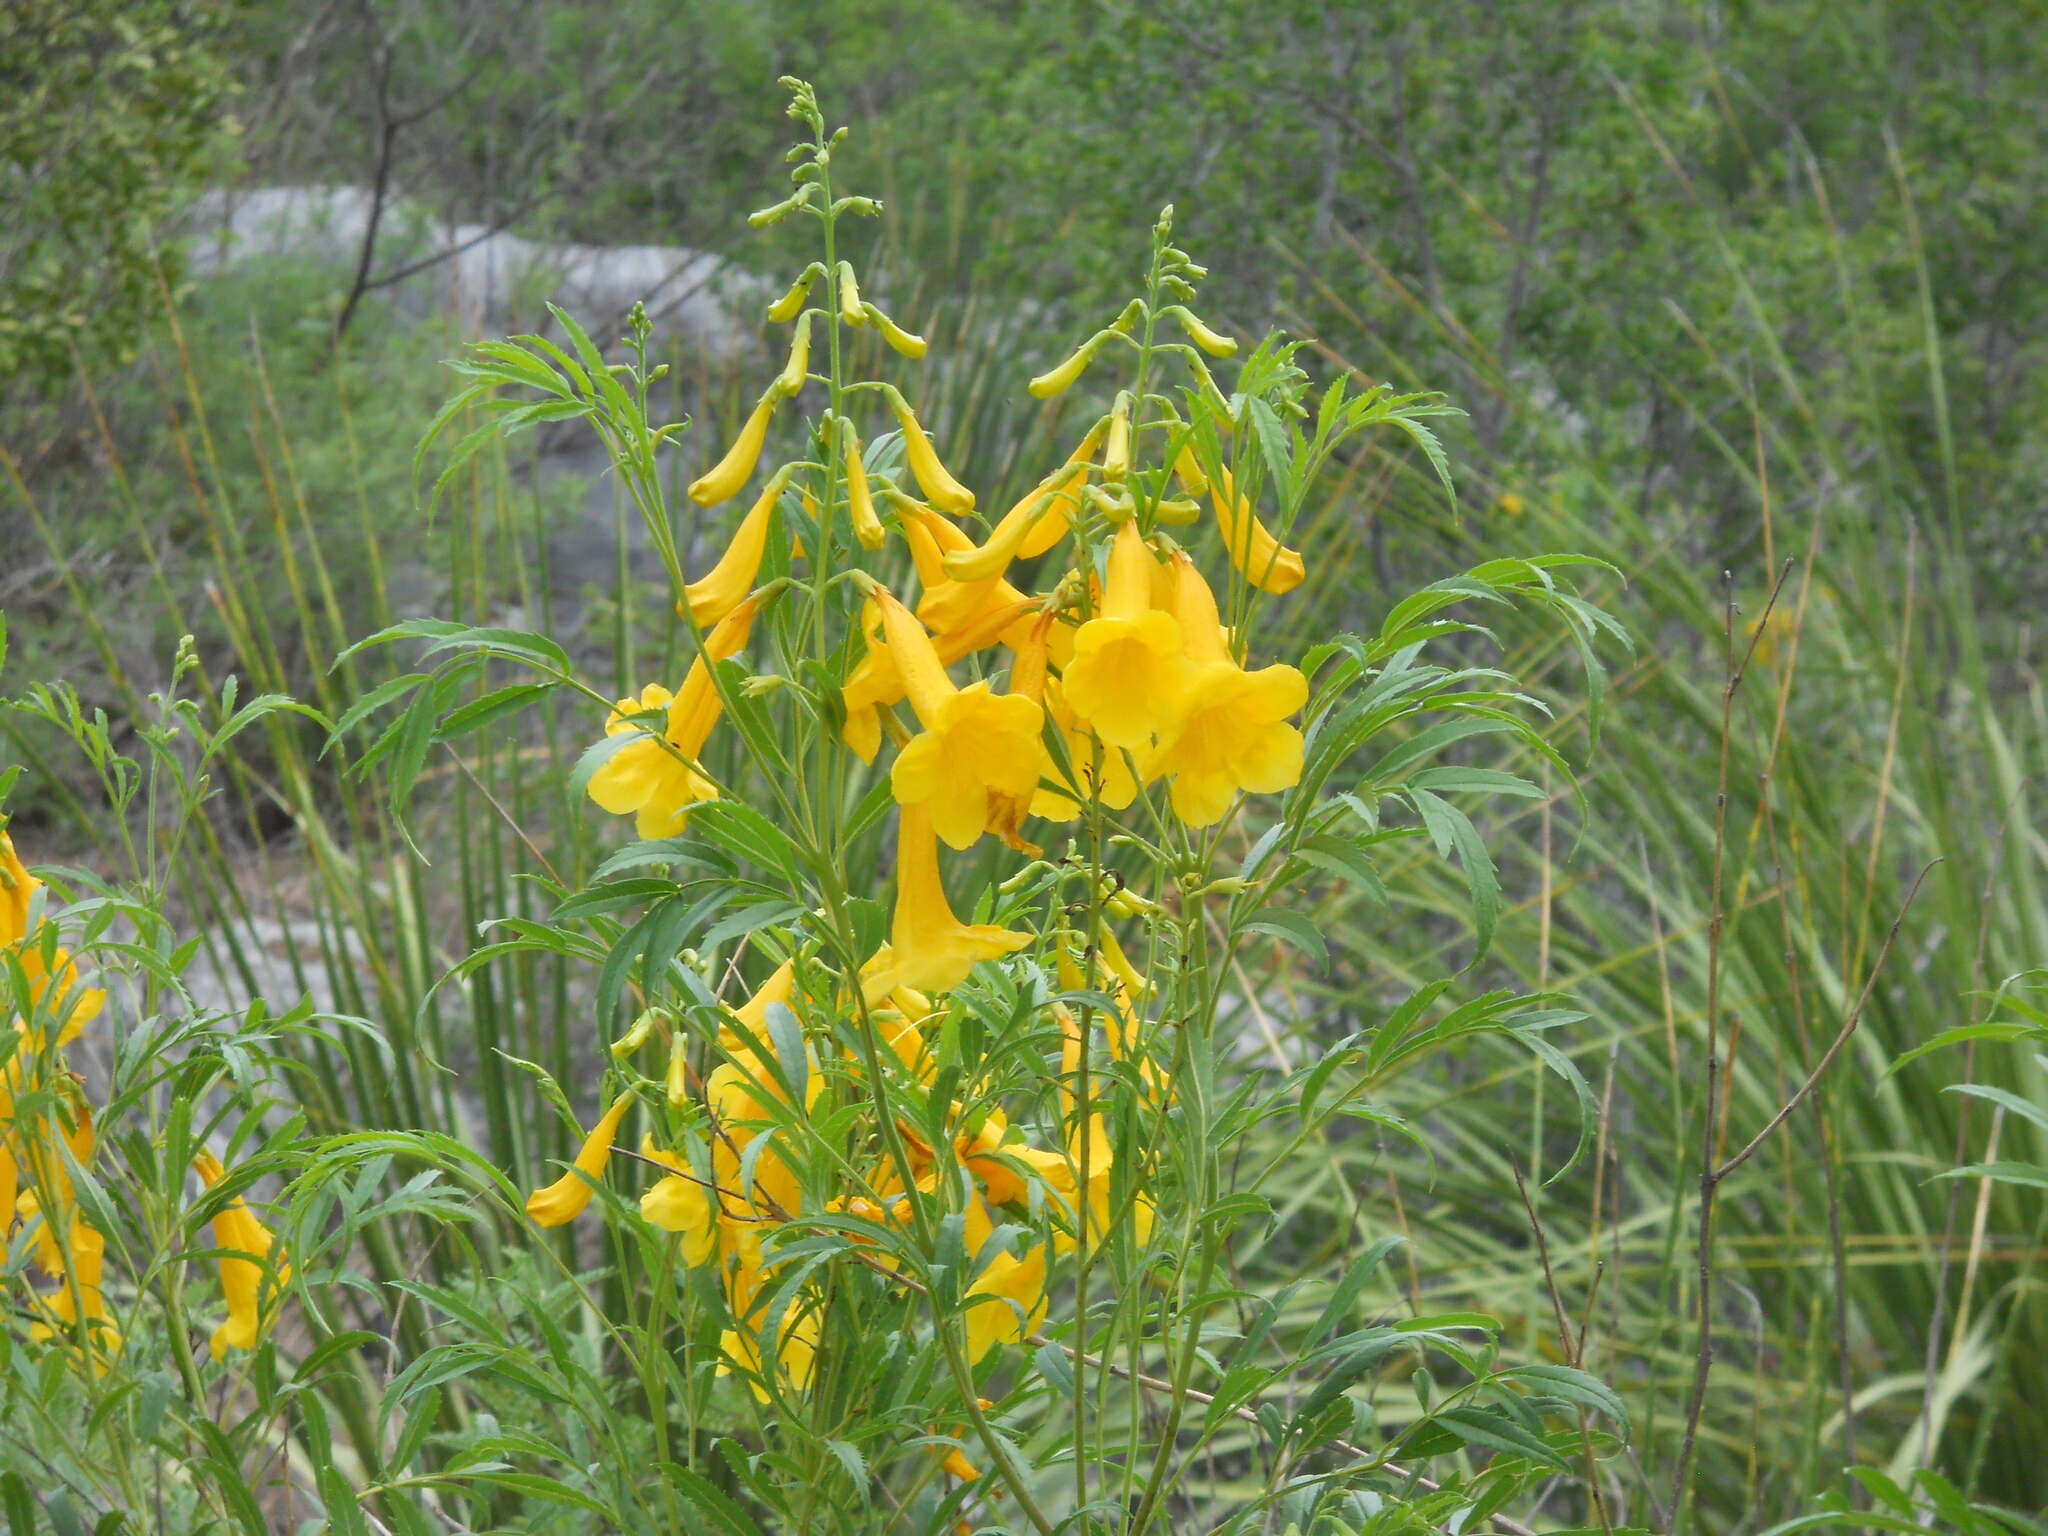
(1290, 928)
(1452, 831)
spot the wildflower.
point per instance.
(860, 500)
(933, 950)
(678, 1202)
(77, 1262)
(1116, 777)
(1234, 734)
(723, 480)
(726, 584)
(738, 1093)
(789, 1343)
(903, 341)
(563, 1201)
(52, 984)
(1035, 523)
(1264, 561)
(652, 783)
(1014, 1304)
(246, 1247)
(1128, 679)
(939, 487)
(949, 606)
(753, 1013)
(1085, 1198)
(977, 746)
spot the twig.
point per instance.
(1848, 1028)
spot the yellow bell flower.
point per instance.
(1087, 1209)
(860, 498)
(1015, 1304)
(753, 1013)
(722, 588)
(679, 1203)
(948, 605)
(1035, 523)
(1119, 783)
(1128, 679)
(1234, 733)
(1262, 559)
(564, 1200)
(933, 950)
(77, 1263)
(738, 1094)
(976, 746)
(939, 486)
(645, 780)
(723, 480)
(1008, 808)
(794, 1348)
(247, 1246)
(54, 987)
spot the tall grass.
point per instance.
(1885, 721)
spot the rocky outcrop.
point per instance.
(490, 282)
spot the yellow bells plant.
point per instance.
(885, 1145)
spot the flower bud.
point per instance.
(1046, 385)
(723, 480)
(786, 308)
(903, 341)
(849, 296)
(860, 501)
(798, 368)
(1211, 342)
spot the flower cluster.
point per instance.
(1109, 678)
(47, 1142)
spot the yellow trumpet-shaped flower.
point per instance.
(753, 1013)
(52, 986)
(1262, 559)
(933, 950)
(1128, 679)
(564, 1200)
(905, 342)
(939, 486)
(678, 1202)
(77, 1262)
(723, 480)
(860, 498)
(1234, 733)
(725, 586)
(643, 778)
(1119, 782)
(738, 1093)
(791, 1341)
(849, 296)
(877, 681)
(246, 1258)
(1035, 523)
(1014, 1289)
(948, 606)
(797, 371)
(976, 746)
